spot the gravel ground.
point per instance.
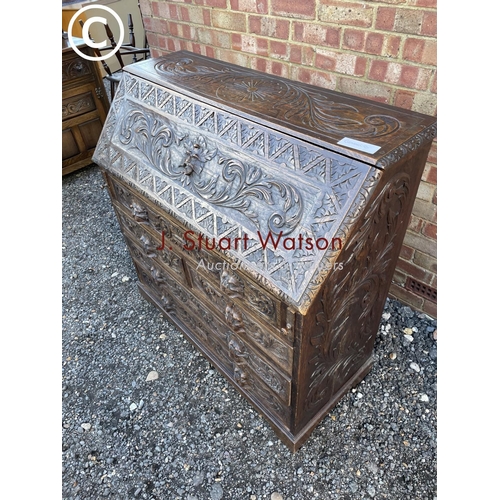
(187, 434)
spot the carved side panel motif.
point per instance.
(286, 100)
(350, 305)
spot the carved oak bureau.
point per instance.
(264, 218)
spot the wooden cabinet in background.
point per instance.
(84, 106)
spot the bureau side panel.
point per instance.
(341, 326)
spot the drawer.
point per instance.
(167, 259)
(137, 208)
(241, 361)
(78, 105)
(177, 310)
(219, 272)
(225, 277)
(76, 70)
(142, 244)
(265, 339)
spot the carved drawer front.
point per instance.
(251, 358)
(241, 361)
(220, 272)
(139, 209)
(145, 244)
(226, 278)
(77, 105)
(176, 304)
(265, 339)
(76, 70)
(169, 262)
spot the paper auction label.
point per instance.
(359, 145)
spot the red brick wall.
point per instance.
(383, 50)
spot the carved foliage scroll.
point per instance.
(201, 168)
(348, 314)
(286, 100)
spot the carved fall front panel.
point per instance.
(224, 176)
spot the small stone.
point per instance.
(387, 327)
(409, 338)
(415, 367)
(408, 331)
(386, 316)
(354, 487)
(371, 491)
(407, 311)
(191, 497)
(393, 355)
(198, 479)
(114, 275)
(276, 496)
(435, 334)
(133, 407)
(86, 426)
(253, 497)
(424, 398)
(217, 492)
(125, 278)
(152, 375)
(163, 336)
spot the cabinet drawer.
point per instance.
(76, 70)
(143, 245)
(219, 272)
(77, 105)
(242, 323)
(241, 361)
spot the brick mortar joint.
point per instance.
(342, 49)
(369, 56)
(376, 7)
